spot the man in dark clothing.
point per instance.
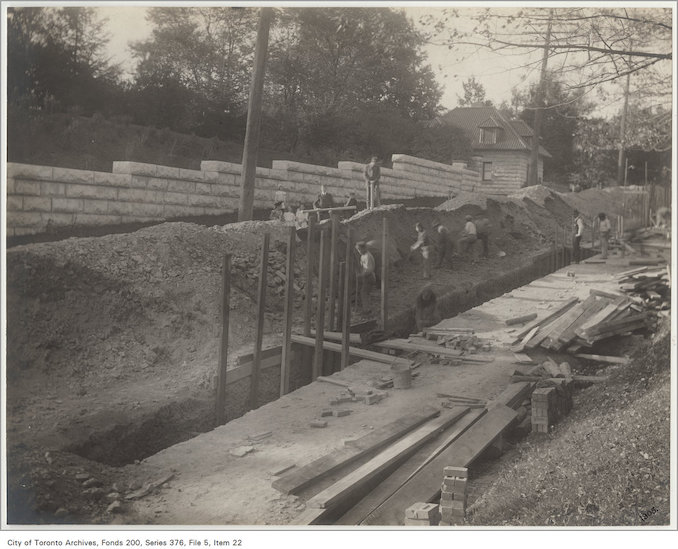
(444, 244)
(324, 200)
(351, 201)
(483, 227)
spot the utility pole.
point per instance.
(249, 154)
(534, 153)
(621, 174)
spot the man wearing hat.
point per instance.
(444, 243)
(366, 276)
(468, 235)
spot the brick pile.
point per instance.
(453, 496)
(422, 514)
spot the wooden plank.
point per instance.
(520, 346)
(220, 402)
(569, 333)
(608, 359)
(425, 485)
(514, 395)
(378, 493)
(397, 452)
(384, 273)
(338, 336)
(336, 209)
(259, 329)
(619, 276)
(558, 323)
(346, 308)
(404, 345)
(320, 311)
(548, 318)
(297, 480)
(286, 354)
(333, 269)
(352, 351)
(265, 353)
(245, 370)
(521, 319)
(308, 289)
(578, 378)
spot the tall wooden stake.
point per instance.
(289, 309)
(384, 273)
(333, 268)
(340, 295)
(250, 149)
(308, 290)
(219, 411)
(320, 311)
(259, 334)
(346, 319)
(621, 173)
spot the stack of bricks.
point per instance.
(543, 400)
(453, 496)
(422, 514)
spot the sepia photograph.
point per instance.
(352, 266)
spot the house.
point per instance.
(501, 147)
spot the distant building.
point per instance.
(501, 147)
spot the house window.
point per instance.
(487, 171)
(488, 136)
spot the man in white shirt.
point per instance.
(604, 227)
(468, 236)
(366, 276)
(578, 230)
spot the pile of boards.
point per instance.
(578, 324)
(650, 287)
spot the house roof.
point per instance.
(471, 119)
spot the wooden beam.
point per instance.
(338, 336)
(220, 404)
(245, 370)
(259, 330)
(320, 312)
(577, 378)
(308, 290)
(346, 308)
(521, 319)
(340, 296)
(384, 273)
(297, 480)
(514, 395)
(425, 485)
(608, 359)
(397, 452)
(337, 209)
(353, 351)
(541, 322)
(288, 312)
(333, 269)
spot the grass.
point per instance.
(606, 464)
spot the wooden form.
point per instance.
(355, 339)
(384, 273)
(320, 312)
(308, 290)
(353, 351)
(297, 480)
(259, 332)
(397, 452)
(220, 404)
(288, 312)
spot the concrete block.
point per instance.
(318, 423)
(37, 204)
(341, 413)
(24, 187)
(170, 210)
(91, 191)
(167, 171)
(24, 219)
(201, 200)
(136, 209)
(221, 166)
(221, 189)
(11, 185)
(139, 219)
(138, 168)
(416, 522)
(180, 186)
(68, 175)
(140, 195)
(175, 198)
(156, 183)
(460, 472)
(422, 511)
(22, 231)
(57, 219)
(326, 412)
(191, 174)
(94, 206)
(28, 171)
(70, 205)
(96, 219)
(113, 179)
(50, 188)
(203, 188)
(14, 203)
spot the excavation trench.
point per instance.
(153, 431)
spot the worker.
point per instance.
(444, 244)
(423, 243)
(281, 196)
(324, 200)
(372, 174)
(483, 227)
(605, 228)
(468, 235)
(366, 276)
(425, 311)
(578, 232)
(351, 201)
(277, 212)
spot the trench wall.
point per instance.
(43, 198)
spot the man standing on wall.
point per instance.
(578, 232)
(372, 173)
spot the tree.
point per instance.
(442, 143)
(474, 92)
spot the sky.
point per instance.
(499, 74)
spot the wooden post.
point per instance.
(289, 309)
(333, 269)
(346, 309)
(557, 251)
(259, 333)
(252, 130)
(384, 272)
(220, 412)
(340, 295)
(308, 290)
(320, 311)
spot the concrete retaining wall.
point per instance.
(42, 198)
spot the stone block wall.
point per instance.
(41, 198)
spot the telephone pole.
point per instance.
(621, 176)
(251, 147)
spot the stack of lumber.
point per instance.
(582, 324)
(550, 372)
(650, 287)
(420, 345)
